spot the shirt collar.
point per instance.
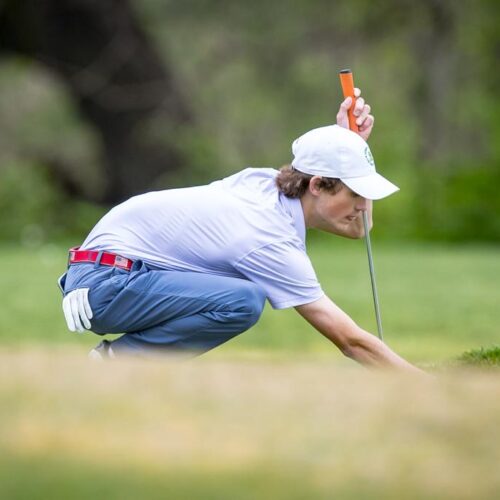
(293, 207)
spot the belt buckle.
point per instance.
(71, 254)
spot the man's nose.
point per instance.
(361, 204)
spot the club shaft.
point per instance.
(347, 83)
(372, 275)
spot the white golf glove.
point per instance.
(77, 310)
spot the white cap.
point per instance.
(339, 153)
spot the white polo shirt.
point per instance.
(240, 226)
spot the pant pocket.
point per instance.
(61, 281)
(101, 297)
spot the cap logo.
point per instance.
(369, 156)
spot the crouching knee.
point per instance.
(251, 303)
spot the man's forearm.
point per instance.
(353, 341)
(371, 351)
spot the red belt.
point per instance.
(107, 259)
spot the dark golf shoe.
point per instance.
(102, 351)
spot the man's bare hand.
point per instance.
(364, 119)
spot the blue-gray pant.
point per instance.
(166, 310)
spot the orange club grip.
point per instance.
(347, 82)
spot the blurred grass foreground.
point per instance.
(219, 429)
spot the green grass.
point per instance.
(436, 301)
(481, 357)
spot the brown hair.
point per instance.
(294, 184)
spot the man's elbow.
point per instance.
(350, 351)
(347, 347)
(355, 345)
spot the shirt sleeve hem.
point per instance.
(297, 301)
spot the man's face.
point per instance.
(334, 213)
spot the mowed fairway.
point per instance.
(222, 429)
(436, 301)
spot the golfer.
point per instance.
(185, 270)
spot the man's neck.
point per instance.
(307, 202)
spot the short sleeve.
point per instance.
(284, 271)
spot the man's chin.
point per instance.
(338, 229)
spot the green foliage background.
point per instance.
(259, 74)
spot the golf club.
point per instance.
(347, 83)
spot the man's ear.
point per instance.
(314, 185)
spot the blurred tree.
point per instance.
(97, 47)
(256, 75)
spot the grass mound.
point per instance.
(481, 357)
